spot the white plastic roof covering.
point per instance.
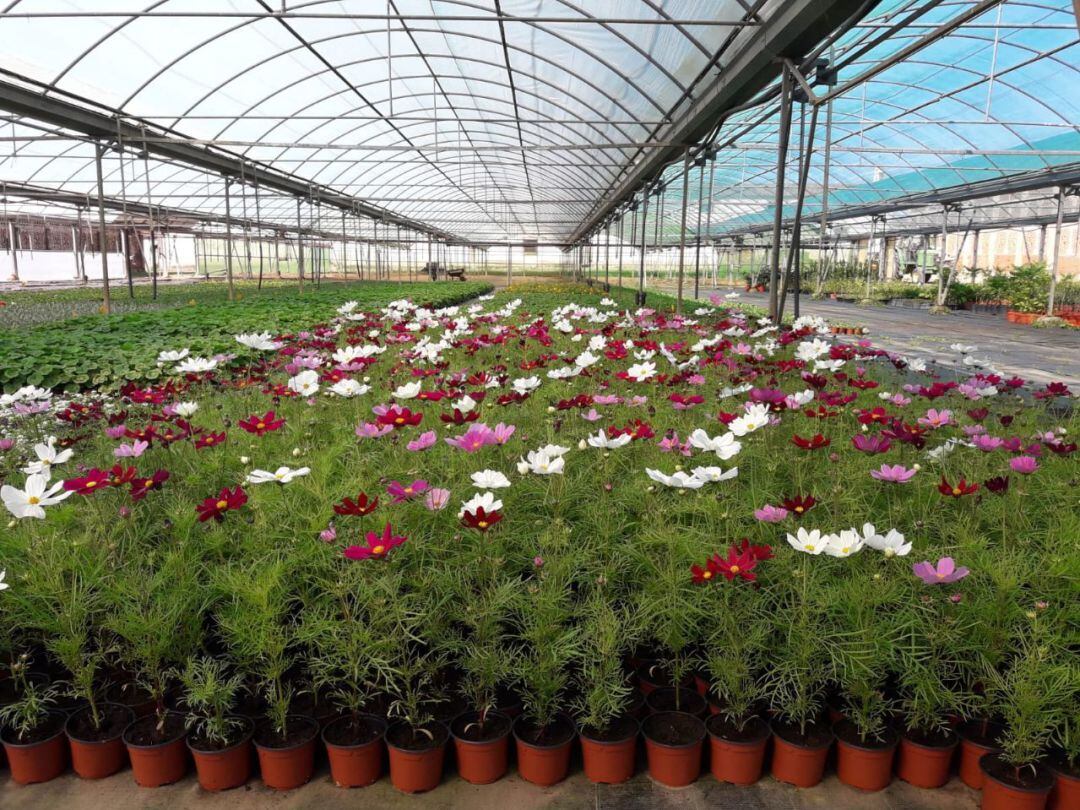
(417, 109)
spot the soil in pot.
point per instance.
(799, 755)
(977, 738)
(97, 752)
(130, 694)
(416, 755)
(925, 758)
(867, 763)
(1066, 791)
(482, 747)
(223, 766)
(544, 752)
(287, 760)
(668, 699)
(1006, 787)
(354, 747)
(737, 755)
(609, 752)
(673, 743)
(157, 750)
(40, 755)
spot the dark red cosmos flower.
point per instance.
(759, 553)
(635, 429)
(147, 434)
(820, 413)
(377, 547)
(700, 575)
(459, 418)
(398, 417)
(260, 425)
(1061, 448)
(863, 385)
(872, 416)
(120, 475)
(141, 486)
(226, 500)
(89, 484)
(816, 442)
(1005, 419)
(962, 488)
(816, 381)
(999, 484)
(480, 519)
(681, 402)
(908, 434)
(359, 507)
(210, 439)
(1054, 389)
(799, 505)
(870, 443)
(737, 564)
(978, 414)
(512, 398)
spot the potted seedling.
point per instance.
(219, 741)
(156, 617)
(256, 622)
(32, 732)
(1065, 761)
(417, 742)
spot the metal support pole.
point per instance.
(697, 230)
(14, 253)
(870, 261)
(641, 263)
(228, 238)
(682, 226)
(1062, 191)
(796, 237)
(607, 258)
(299, 248)
(107, 301)
(778, 198)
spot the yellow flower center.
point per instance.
(260, 426)
(408, 490)
(734, 569)
(483, 524)
(707, 575)
(810, 548)
(148, 482)
(91, 484)
(956, 490)
(221, 504)
(399, 421)
(798, 509)
(378, 549)
(33, 500)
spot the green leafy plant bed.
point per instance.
(529, 508)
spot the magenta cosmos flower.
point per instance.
(423, 441)
(1025, 465)
(476, 437)
(770, 514)
(502, 432)
(936, 419)
(893, 474)
(871, 443)
(404, 492)
(945, 571)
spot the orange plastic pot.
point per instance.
(673, 744)
(40, 761)
(1000, 794)
(1066, 791)
(864, 765)
(359, 765)
(481, 762)
(227, 768)
(543, 759)
(97, 759)
(160, 763)
(975, 743)
(738, 761)
(926, 766)
(287, 768)
(416, 770)
(610, 761)
(799, 762)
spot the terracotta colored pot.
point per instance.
(97, 759)
(1065, 794)
(481, 762)
(798, 762)
(610, 761)
(974, 745)
(925, 765)
(359, 765)
(701, 683)
(160, 763)
(287, 768)
(738, 761)
(866, 765)
(39, 761)
(673, 743)
(228, 768)
(664, 700)
(999, 794)
(543, 763)
(412, 770)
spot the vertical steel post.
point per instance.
(228, 238)
(778, 197)
(641, 262)
(697, 230)
(107, 301)
(682, 226)
(1057, 250)
(299, 247)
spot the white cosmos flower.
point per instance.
(891, 544)
(490, 479)
(602, 441)
(526, 385)
(349, 388)
(828, 365)
(960, 348)
(753, 420)
(186, 409)
(347, 307)
(796, 401)
(482, 500)
(810, 350)
(465, 404)
(407, 391)
(677, 480)
(724, 446)
(31, 500)
(844, 544)
(173, 356)
(810, 542)
(916, 364)
(713, 475)
(196, 365)
(3, 585)
(48, 457)
(306, 383)
(282, 475)
(642, 371)
(262, 341)
(543, 462)
(586, 359)
(564, 373)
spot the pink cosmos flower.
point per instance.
(368, 430)
(871, 443)
(637, 401)
(607, 399)
(329, 534)
(945, 571)
(1025, 465)
(695, 379)
(116, 432)
(771, 514)
(894, 474)
(974, 430)
(133, 450)
(899, 400)
(502, 432)
(986, 442)
(6, 444)
(405, 492)
(437, 499)
(591, 415)
(422, 442)
(935, 418)
(476, 437)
